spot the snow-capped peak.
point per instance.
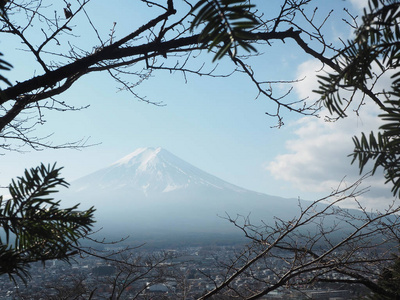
(141, 157)
(155, 170)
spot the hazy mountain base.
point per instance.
(152, 195)
(177, 218)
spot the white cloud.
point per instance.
(316, 160)
(308, 71)
(318, 156)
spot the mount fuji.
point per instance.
(148, 172)
(152, 192)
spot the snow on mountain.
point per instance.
(152, 194)
(151, 191)
(152, 170)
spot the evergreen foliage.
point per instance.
(34, 227)
(376, 45)
(3, 64)
(227, 23)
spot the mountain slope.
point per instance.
(152, 171)
(151, 191)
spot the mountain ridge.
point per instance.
(151, 191)
(153, 169)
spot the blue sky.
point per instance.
(216, 124)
